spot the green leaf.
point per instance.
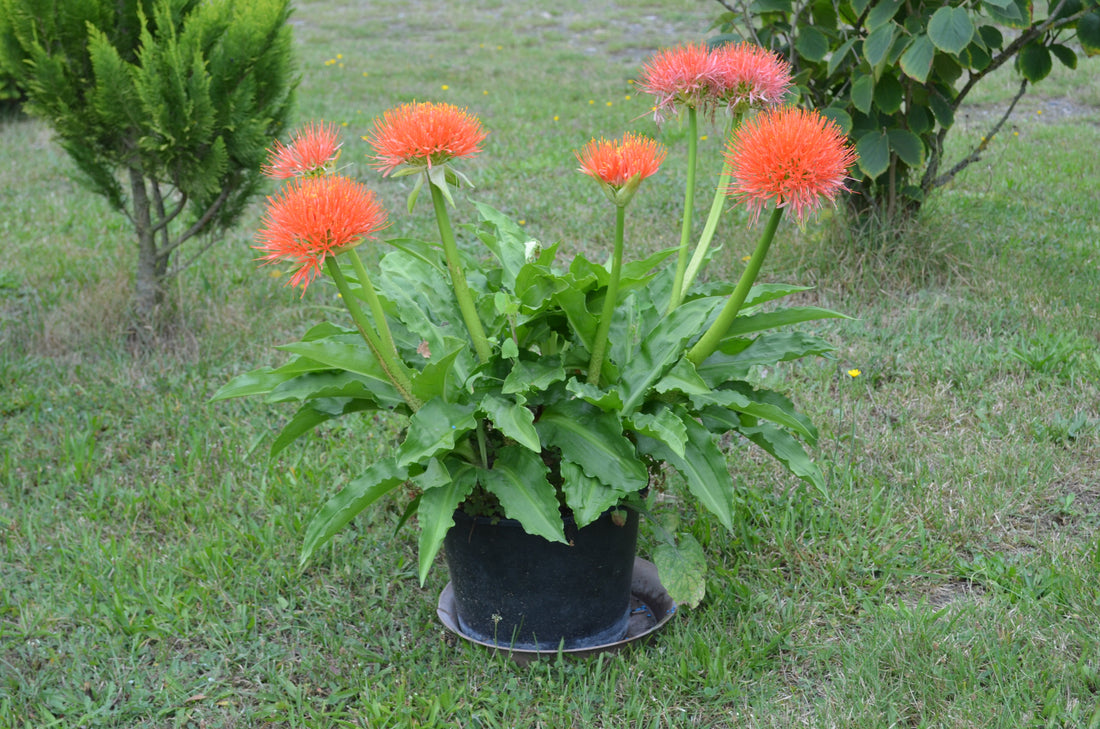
(1034, 62)
(518, 479)
(842, 118)
(883, 13)
(586, 496)
(878, 42)
(780, 318)
(742, 398)
(941, 109)
(1065, 54)
(257, 382)
(863, 90)
(342, 351)
(839, 56)
(661, 348)
(683, 568)
(606, 400)
(434, 429)
(533, 376)
(916, 62)
(662, 425)
(811, 43)
(873, 149)
(435, 380)
(382, 477)
(907, 146)
(703, 467)
(593, 440)
(508, 245)
(1017, 14)
(1088, 33)
(788, 451)
(888, 94)
(315, 412)
(765, 350)
(515, 421)
(683, 378)
(951, 29)
(436, 512)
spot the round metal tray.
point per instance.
(650, 609)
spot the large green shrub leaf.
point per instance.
(951, 29)
(586, 496)
(682, 566)
(514, 420)
(518, 479)
(1088, 32)
(593, 440)
(441, 496)
(1034, 62)
(916, 62)
(907, 146)
(873, 149)
(434, 429)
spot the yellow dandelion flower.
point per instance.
(609, 103)
(446, 87)
(854, 373)
(556, 117)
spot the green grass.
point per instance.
(950, 578)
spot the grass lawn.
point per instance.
(950, 578)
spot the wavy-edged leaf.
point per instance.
(703, 467)
(333, 383)
(586, 496)
(662, 348)
(593, 440)
(257, 382)
(341, 351)
(683, 378)
(315, 412)
(765, 350)
(533, 375)
(441, 496)
(780, 318)
(434, 429)
(683, 569)
(518, 479)
(508, 243)
(663, 425)
(788, 451)
(514, 420)
(382, 477)
(766, 404)
(437, 379)
(606, 400)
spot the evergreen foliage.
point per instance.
(165, 106)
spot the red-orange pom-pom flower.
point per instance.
(615, 162)
(308, 153)
(423, 135)
(682, 75)
(315, 217)
(748, 75)
(792, 157)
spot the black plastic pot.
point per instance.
(516, 590)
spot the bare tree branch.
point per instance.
(976, 153)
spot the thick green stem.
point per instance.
(458, 278)
(599, 345)
(393, 368)
(707, 236)
(713, 336)
(367, 287)
(689, 205)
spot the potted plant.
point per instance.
(540, 395)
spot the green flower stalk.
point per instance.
(678, 284)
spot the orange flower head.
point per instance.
(684, 75)
(750, 76)
(309, 153)
(424, 134)
(616, 162)
(316, 217)
(789, 156)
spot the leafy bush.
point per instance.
(165, 106)
(893, 74)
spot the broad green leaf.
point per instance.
(515, 421)
(765, 350)
(1034, 62)
(257, 382)
(434, 429)
(839, 56)
(764, 404)
(780, 318)
(683, 378)
(508, 245)
(883, 13)
(435, 380)
(325, 383)
(788, 451)
(873, 149)
(593, 440)
(586, 496)
(768, 6)
(536, 375)
(606, 400)
(342, 351)
(1064, 54)
(763, 293)
(941, 109)
(951, 29)
(907, 146)
(863, 92)
(888, 94)
(683, 568)
(842, 118)
(662, 425)
(315, 412)
(661, 348)
(382, 477)
(518, 479)
(436, 514)
(1088, 33)
(990, 36)
(878, 42)
(703, 467)
(916, 62)
(1017, 14)
(574, 302)
(811, 43)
